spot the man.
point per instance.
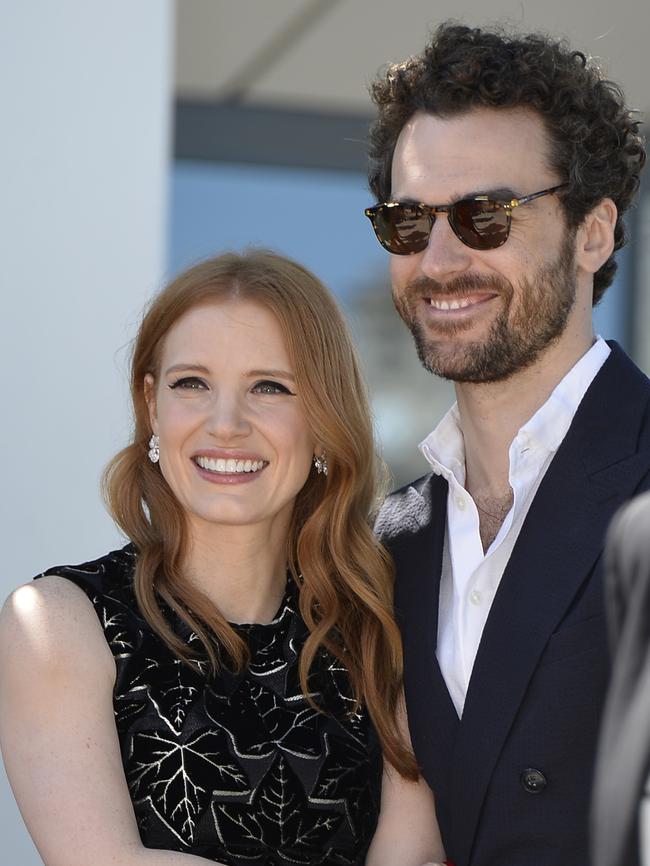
(621, 804)
(502, 166)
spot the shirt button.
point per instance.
(460, 502)
(533, 781)
(475, 596)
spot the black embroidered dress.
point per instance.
(237, 769)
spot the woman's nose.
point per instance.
(228, 417)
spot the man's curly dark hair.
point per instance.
(596, 146)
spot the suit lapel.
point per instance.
(595, 469)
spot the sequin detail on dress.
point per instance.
(239, 769)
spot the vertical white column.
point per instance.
(85, 96)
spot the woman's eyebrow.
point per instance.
(198, 368)
(280, 374)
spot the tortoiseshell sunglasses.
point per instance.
(481, 222)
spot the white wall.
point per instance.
(85, 107)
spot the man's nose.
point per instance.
(445, 255)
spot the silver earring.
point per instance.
(320, 462)
(154, 449)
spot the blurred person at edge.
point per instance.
(222, 688)
(503, 164)
(621, 803)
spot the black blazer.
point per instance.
(513, 779)
(624, 752)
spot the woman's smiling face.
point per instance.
(235, 445)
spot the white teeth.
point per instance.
(230, 466)
(450, 305)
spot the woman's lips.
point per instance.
(221, 470)
(229, 465)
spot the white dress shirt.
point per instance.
(470, 577)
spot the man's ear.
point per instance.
(150, 400)
(595, 237)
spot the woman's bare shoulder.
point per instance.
(50, 621)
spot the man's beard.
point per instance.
(518, 334)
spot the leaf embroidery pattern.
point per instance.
(279, 818)
(173, 776)
(169, 689)
(281, 726)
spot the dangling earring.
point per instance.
(154, 449)
(320, 462)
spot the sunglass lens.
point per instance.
(401, 229)
(482, 225)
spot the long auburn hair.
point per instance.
(345, 577)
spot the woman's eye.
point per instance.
(270, 388)
(189, 383)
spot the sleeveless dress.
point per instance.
(239, 769)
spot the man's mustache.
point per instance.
(426, 287)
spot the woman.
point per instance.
(222, 688)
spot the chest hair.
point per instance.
(492, 511)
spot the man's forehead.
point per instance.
(478, 151)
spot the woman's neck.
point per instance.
(241, 569)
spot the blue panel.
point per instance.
(315, 217)
(611, 316)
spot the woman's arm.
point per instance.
(58, 734)
(407, 833)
